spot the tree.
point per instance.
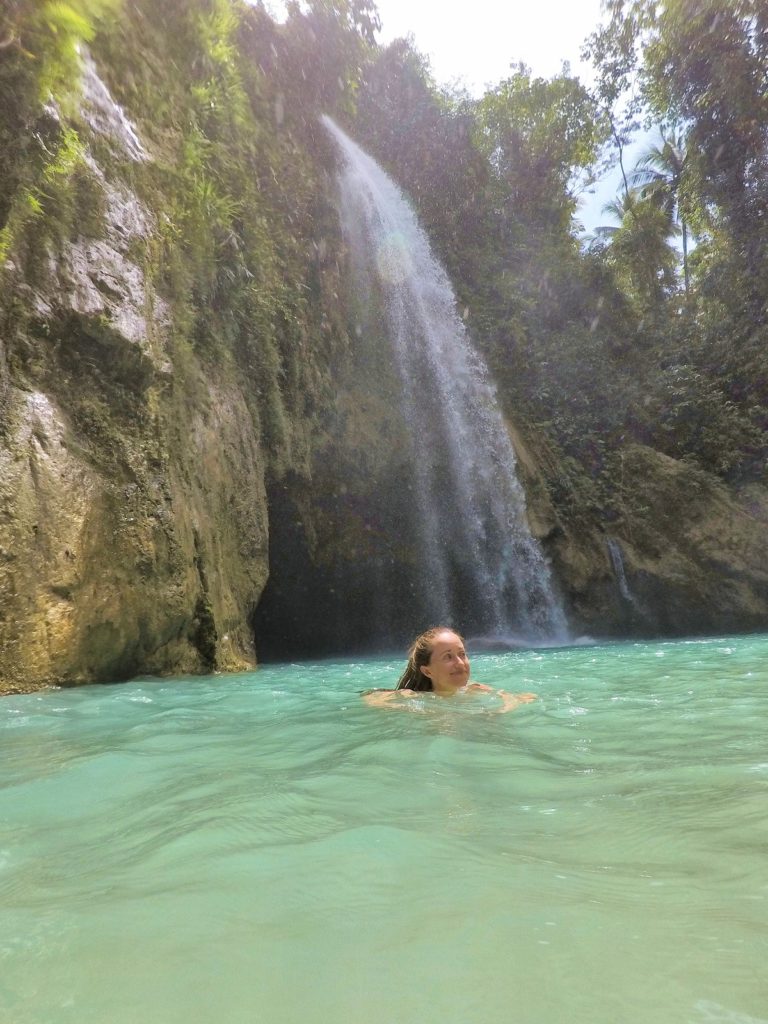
(700, 67)
(330, 39)
(660, 178)
(639, 249)
(538, 137)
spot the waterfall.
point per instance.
(617, 561)
(105, 117)
(479, 565)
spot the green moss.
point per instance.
(50, 194)
(39, 84)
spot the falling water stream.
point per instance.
(617, 562)
(479, 551)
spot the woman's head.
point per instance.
(436, 661)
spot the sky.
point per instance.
(477, 41)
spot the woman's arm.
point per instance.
(384, 698)
(510, 701)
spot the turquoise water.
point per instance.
(266, 848)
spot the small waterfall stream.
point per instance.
(481, 568)
(617, 562)
(105, 117)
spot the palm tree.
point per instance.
(639, 246)
(659, 177)
(620, 207)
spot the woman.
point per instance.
(438, 663)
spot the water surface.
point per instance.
(266, 848)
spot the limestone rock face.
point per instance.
(133, 524)
(46, 495)
(689, 553)
(106, 575)
(695, 550)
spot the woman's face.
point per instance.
(448, 665)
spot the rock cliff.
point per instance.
(689, 552)
(160, 363)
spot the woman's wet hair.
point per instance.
(419, 654)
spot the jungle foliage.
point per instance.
(654, 330)
(629, 337)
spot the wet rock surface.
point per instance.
(133, 524)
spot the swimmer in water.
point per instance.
(438, 663)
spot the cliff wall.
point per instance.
(165, 348)
(691, 551)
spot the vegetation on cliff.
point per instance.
(168, 329)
